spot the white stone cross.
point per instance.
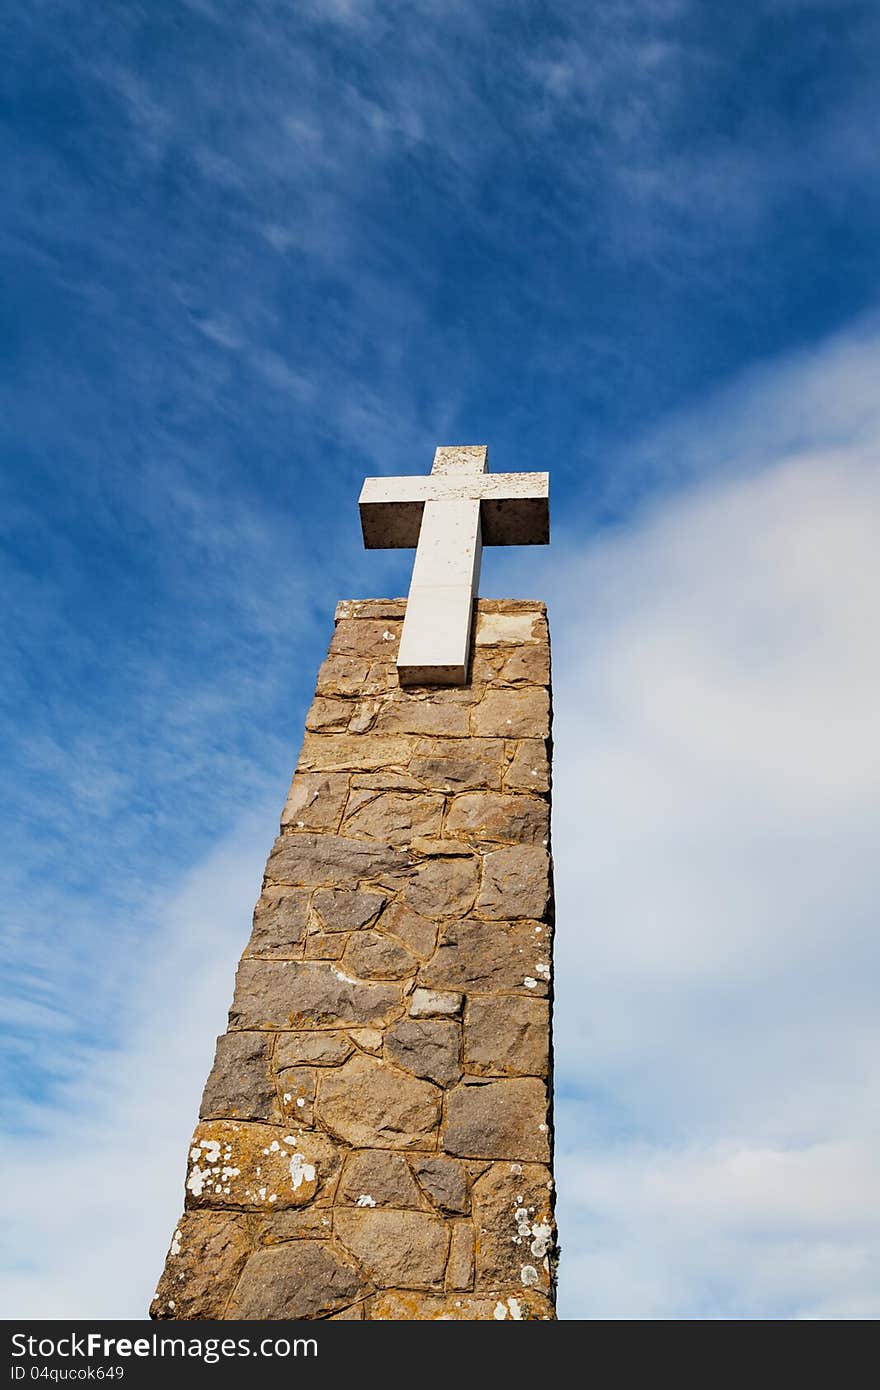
(448, 517)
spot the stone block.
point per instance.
(332, 861)
(460, 1269)
(239, 1086)
(327, 714)
(529, 768)
(310, 1049)
(257, 1167)
(400, 1305)
(513, 1211)
(294, 1223)
(483, 957)
(527, 665)
(320, 945)
(315, 801)
(297, 1088)
(499, 1120)
(445, 1181)
(431, 1003)
(372, 637)
(495, 816)
(278, 994)
(416, 932)
(405, 1249)
(280, 923)
(506, 1036)
(516, 883)
(442, 887)
(377, 1178)
(435, 714)
(370, 1104)
(391, 609)
(208, 1252)
(430, 1048)
(453, 765)
(346, 909)
(343, 675)
(372, 956)
(356, 752)
(506, 629)
(393, 818)
(305, 1279)
(512, 714)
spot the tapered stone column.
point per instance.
(375, 1137)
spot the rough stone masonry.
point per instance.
(375, 1137)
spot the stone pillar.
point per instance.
(375, 1135)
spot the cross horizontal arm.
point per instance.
(514, 507)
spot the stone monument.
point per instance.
(375, 1136)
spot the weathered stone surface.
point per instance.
(378, 637)
(429, 847)
(442, 887)
(415, 931)
(239, 1084)
(322, 945)
(485, 816)
(430, 1048)
(297, 1087)
(393, 609)
(513, 1213)
(393, 818)
(347, 909)
(397, 1305)
(353, 1314)
(407, 1249)
(529, 768)
(315, 801)
(328, 714)
(377, 1177)
(505, 1036)
(370, 1039)
(460, 1269)
(527, 666)
(356, 752)
(296, 1223)
(454, 765)
(343, 675)
(445, 1182)
(275, 994)
(513, 714)
(486, 956)
(256, 1166)
(369, 1104)
(207, 1254)
(498, 1119)
(311, 1049)
(431, 1003)
(516, 883)
(304, 1279)
(435, 714)
(379, 781)
(505, 629)
(329, 860)
(280, 923)
(372, 956)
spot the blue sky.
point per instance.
(253, 253)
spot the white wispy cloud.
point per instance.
(717, 829)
